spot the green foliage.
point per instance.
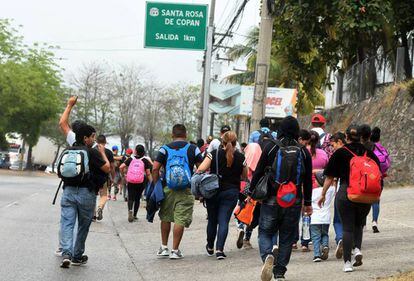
(410, 88)
(311, 37)
(30, 85)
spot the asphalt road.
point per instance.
(119, 250)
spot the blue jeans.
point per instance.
(320, 237)
(337, 224)
(219, 210)
(274, 219)
(76, 203)
(375, 211)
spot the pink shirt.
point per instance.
(319, 161)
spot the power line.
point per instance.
(96, 39)
(100, 50)
(241, 8)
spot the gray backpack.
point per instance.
(206, 185)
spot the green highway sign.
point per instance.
(175, 26)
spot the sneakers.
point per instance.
(210, 252)
(275, 251)
(375, 227)
(65, 261)
(317, 259)
(280, 278)
(99, 214)
(114, 198)
(357, 259)
(295, 246)
(348, 267)
(220, 256)
(247, 245)
(176, 255)
(130, 216)
(305, 249)
(163, 252)
(267, 269)
(339, 250)
(240, 237)
(135, 218)
(58, 252)
(109, 197)
(325, 253)
(79, 262)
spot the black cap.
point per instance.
(264, 123)
(225, 129)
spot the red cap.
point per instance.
(317, 118)
(129, 151)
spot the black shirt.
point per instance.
(339, 163)
(97, 176)
(147, 163)
(193, 153)
(229, 176)
(266, 160)
(110, 157)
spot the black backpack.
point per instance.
(264, 137)
(289, 164)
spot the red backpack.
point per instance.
(364, 179)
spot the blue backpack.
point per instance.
(177, 168)
(73, 167)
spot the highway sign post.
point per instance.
(175, 26)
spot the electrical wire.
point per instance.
(239, 11)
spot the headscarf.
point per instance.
(252, 152)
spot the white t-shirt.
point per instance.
(215, 144)
(320, 131)
(71, 138)
(322, 215)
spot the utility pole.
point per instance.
(262, 66)
(205, 91)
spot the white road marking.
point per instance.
(11, 204)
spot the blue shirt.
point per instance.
(254, 137)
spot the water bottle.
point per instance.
(305, 227)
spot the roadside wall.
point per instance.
(392, 110)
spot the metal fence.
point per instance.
(361, 80)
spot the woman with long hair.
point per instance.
(353, 215)
(141, 167)
(231, 169)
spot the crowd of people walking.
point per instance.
(282, 182)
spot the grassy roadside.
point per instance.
(409, 276)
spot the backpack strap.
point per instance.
(298, 168)
(217, 162)
(346, 148)
(378, 149)
(57, 191)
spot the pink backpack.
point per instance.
(383, 157)
(136, 171)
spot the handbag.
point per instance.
(262, 187)
(206, 185)
(245, 212)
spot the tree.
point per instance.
(183, 103)
(127, 96)
(92, 84)
(30, 86)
